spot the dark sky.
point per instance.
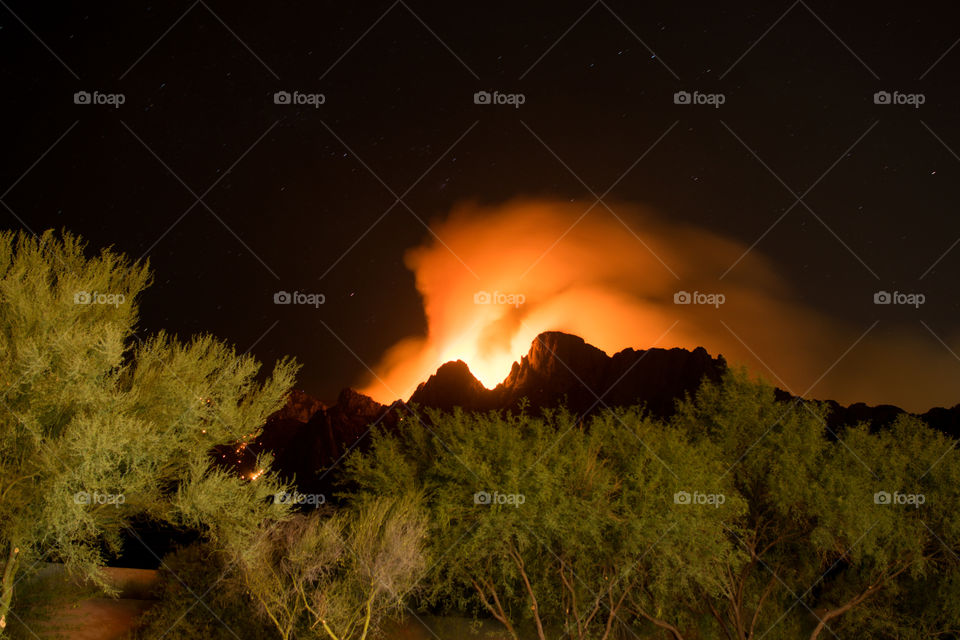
(290, 194)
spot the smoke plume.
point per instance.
(493, 277)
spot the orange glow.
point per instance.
(611, 279)
(598, 281)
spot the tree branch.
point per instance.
(866, 593)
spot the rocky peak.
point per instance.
(558, 357)
(300, 407)
(561, 368)
(453, 385)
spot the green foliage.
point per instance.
(99, 427)
(335, 575)
(593, 536)
(774, 453)
(821, 540)
(899, 526)
(741, 516)
(200, 596)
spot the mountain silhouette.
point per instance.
(307, 438)
(563, 369)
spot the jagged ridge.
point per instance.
(307, 438)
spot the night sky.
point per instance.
(233, 197)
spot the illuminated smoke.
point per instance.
(612, 279)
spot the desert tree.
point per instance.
(336, 574)
(774, 452)
(825, 535)
(556, 525)
(893, 531)
(99, 427)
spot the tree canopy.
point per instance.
(740, 516)
(100, 426)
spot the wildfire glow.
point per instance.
(493, 277)
(497, 277)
